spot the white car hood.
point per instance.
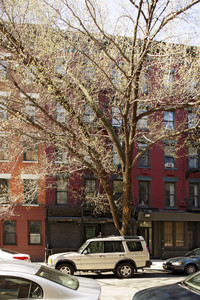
(88, 285)
(64, 254)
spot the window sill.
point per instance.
(143, 167)
(171, 208)
(30, 161)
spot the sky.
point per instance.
(185, 31)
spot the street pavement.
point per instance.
(113, 288)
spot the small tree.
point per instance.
(98, 88)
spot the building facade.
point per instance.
(55, 212)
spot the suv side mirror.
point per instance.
(85, 252)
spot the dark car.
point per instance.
(188, 264)
(188, 289)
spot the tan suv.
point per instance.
(120, 254)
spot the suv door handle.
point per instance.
(102, 255)
(121, 255)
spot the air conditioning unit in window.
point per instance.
(169, 165)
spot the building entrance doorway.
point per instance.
(145, 229)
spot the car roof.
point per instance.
(116, 238)
(15, 266)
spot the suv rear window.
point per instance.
(134, 246)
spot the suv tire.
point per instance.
(66, 268)
(125, 270)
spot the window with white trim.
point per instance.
(3, 191)
(3, 147)
(169, 120)
(34, 232)
(116, 117)
(61, 190)
(144, 159)
(169, 156)
(90, 188)
(30, 151)
(61, 113)
(30, 191)
(89, 114)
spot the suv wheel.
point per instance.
(66, 268)
(125, 270)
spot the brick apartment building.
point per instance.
(165, 202)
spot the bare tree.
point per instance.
(100, 84)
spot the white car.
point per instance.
(6, 255)
(29, 280)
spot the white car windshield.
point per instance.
(193, 282)
(82, 247)
(59, 277)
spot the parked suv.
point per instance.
(120, 254)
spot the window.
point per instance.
(117, 189)
(61, 190)
(3, 108)
(3, 147)
(61, 66)
(144, 82)
(89, 72)
(3, 70)
(30, 110)
(113, 246)
(143, 122)
(134, 246)
(30, 191)
(194, 200)
(168, 237)
(169, 80)
(61, 155)
(116, 160)
(192, 85)
(89, 114)
(95, 247)
(30, 151)
(169, 156)
(192, 118)
(116, 117)
(116, 75)
(34, 232)
(17, 288)
(90, 188)
(170, 197)
(169, 120)
(179, 240)
(193, 157)
(144, 192)
(174, 234)
(144, 159)
(89, 232)
(61, 114)
(10, 233)
(3, 190)
(30, 74)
